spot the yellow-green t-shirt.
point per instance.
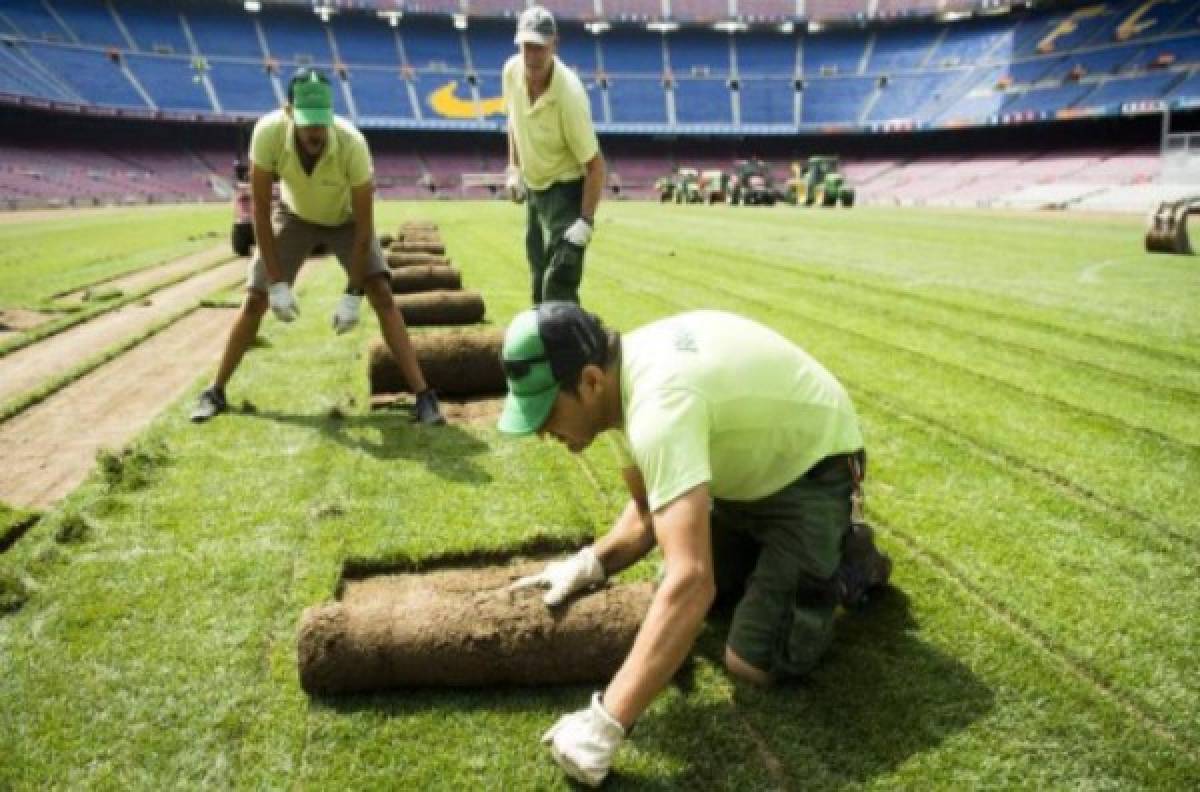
(324, 196)
(713, 397)
(554, 136)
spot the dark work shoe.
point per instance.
(863, 567)
(210, 403)
(428, 411)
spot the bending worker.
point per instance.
(553, 157)
(742, 456)
(328, 192)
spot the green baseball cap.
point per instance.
(542, 347)
(311, 99)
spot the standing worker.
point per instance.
(328, 192)
(553, 157)
(743, 458)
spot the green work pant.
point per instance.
(775, 557)
(555, 265)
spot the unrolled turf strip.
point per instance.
(397, 259)
(419, 246)
(467, 634)
(407, 280)
(441, 307)
(463, 364)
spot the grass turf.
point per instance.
(1027, 386)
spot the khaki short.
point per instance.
(296, 238)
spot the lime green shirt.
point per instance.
(324, 196)
(713, 397)
(554, 136)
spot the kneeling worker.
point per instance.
(328, 192)
(743, 458)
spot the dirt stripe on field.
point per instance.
(34, 365)
(50, 448)
(156, 275)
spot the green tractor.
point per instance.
(665, 187)
(822, 181)
(714, 186)
(687, 186)
(752, 184)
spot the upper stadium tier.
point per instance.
(765, 71)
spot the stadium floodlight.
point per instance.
(253, 6)
(730, 26)
(596, 28)
(323, 11)
(953, 16)
(392, 17)
(460, 21)
(662, 27)
(787, 28)
(815, 27)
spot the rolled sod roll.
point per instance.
(409, 246)
(455, 363)
(468, 639)
(441, 307)
(386, 240)
(397, 258)
(407, 280)
(418, 225)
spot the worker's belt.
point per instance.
(855, 461)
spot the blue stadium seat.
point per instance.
(693, 51)
(242, 87)
(766, 54)
(31, 18)
(632, 52)
(432, 43)
(380, 93)
(901, 49)
(702, 101)
(90, 73)
(1188, 89)
(905, 96)
(841, 52)
(1185, 50)
(22, 79)
(1046, 100)
(491, 43)
(222, 30)
(365, 40)
(91, 22)
(296, 36)
(834, 99)
(969, 42)
(171, 81)
(1131, 89)
(767, 101)
(576, 48)
(154, 26)
(637, 100)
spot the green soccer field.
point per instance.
(1029, 387)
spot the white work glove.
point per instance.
(579, 234)
(513, 184)
(283, 303)
(564, 578)
(346, 316)
(583, 743)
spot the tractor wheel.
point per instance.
(242, 238)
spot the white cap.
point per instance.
(535, 26)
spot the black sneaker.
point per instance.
(210, 403)
(428, 411)
(863, 567)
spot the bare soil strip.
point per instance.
(19, 320)
(34, 365)
(143, 279)
(51, 447)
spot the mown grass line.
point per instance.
(47, 389)
(721, 294)
(1150, 529)
(42, 332)
(859, 286)
(845, 324)
(879, 300)
(1104, 685)
(821, 248)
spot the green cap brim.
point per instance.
(524, 415)
(313, 116)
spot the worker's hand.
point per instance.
(564, 578)
(513, 184)
(283, 302)
(583, 743)
(579, 234)
(346, 316)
